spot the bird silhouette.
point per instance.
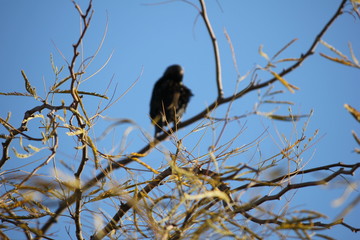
(169, 98)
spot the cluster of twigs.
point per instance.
(202, 196)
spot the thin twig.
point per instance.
(342, 171)
(53, 150)
(296, 172)
(23, 127)
(216, 49)
(77, 219)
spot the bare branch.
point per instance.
(342, 171)
(216, 49)
(15, 131)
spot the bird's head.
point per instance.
(175, 72)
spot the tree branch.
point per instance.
(350, 169)
(23, 127)
(297, 172)
(215, 47)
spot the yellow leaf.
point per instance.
(77, 132)
(338, 60)
(288, 60)
(144, 164)
(94, 150)
(333, 49)
(353, 111)
(20, 155)
(28, 86)
(284, 82)
(35, 149)
(61, 118)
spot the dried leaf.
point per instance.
(61, 118)
(54, 67)
(287, 60)
(289, 86)
(35, 149)
(285, 47)
(356, 61)
(28, 86)
(353, 111)
(16, 94)
(77, 132)
(333, 49)
(82, 92)
(264, 55)
(287, 118)
(143, 163)
(357, 139)
(338, 60)
(94, 150)
(274, 92)
(60, 83)
(278, 102)
(20, 155)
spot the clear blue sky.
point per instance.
(144, 39)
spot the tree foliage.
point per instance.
(193, 195)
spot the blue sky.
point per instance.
(143, 38)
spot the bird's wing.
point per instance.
(174, 100)
(156, 104)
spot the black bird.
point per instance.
(169, 98)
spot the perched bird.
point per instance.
(169, 98)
